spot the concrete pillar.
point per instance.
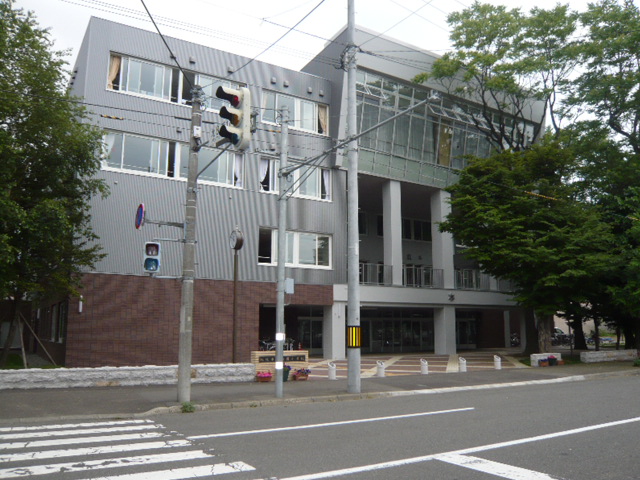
(506, 315)
(334, 331)
(392, 228)
(442, 244)
(444, 330)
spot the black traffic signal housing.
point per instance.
(151, 257)
(238, 132)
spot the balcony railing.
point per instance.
(412, 276)
(422, 277)
(375, 274)
(427, 277)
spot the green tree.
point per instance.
(516, 214)
(511, 65)
(50, 158)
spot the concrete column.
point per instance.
(506, 315)
(333, 332)
(442, 244)
(392, 228)
(444, 326)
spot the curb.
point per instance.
(373, 395)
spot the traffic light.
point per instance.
(238, 115)
(152, 257)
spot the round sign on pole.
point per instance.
(140, 216)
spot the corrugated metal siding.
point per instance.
(220, 208)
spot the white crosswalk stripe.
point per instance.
(119, 450)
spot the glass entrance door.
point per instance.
(466, 333)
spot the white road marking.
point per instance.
(330, 424)
(426, 458)
(93, 465)
(99, 450)
(87, 431)
(72, 425)
(70, 441)
(493, 468)
(182, 473)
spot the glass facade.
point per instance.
(428, 144)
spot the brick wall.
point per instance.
(135, 320)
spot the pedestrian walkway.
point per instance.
(411, 364)
(402, 377)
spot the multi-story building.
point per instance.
(417, 294)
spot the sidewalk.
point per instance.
(127, 402)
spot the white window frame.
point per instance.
(272, 101)
(323, 178)
(294, 241)
(159, 166)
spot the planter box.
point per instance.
(536, 357)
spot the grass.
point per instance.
(14, 362)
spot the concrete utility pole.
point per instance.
(353, 247)
(283, 175)
(189, 252)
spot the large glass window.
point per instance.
(442, 132)
(304, 250)
(307, 181)
(136, 76)
(303, 114)
(227, 169)
(160, 81)
(152, 155)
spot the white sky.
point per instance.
(247, 27)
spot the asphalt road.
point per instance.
(572, 431)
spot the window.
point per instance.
(227, 169)
(308, 181)
(141, 154)
(363, 226)
(416, 230)
(160, 81)
(136, 76)
(303, 250)
(269, 174)
(152, 155)
(303, 114)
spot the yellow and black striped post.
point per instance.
(354, 336)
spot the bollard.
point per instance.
(497, 362)
(462, 365)
(380, 368)
(424, 367)
(332, 370)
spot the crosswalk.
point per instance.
(117, 450)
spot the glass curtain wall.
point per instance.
(423, 145)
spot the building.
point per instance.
(418, 293)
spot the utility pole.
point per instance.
(353, 239)
(282, 248)
(189, 252)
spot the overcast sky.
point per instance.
(247, 27)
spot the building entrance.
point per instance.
(397, 330)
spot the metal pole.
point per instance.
(353, 239)
(282, 250)
(235, 306)
(189, 254)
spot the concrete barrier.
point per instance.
(122, 376)
(608, 356)
(536, 357)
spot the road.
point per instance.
(572, 431)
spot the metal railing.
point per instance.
(422, 277)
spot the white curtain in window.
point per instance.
(264, 169)
(326, 184)
(238, 170)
